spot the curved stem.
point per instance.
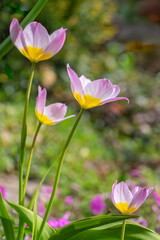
(29, 160)
(123, 229)
(59, 172)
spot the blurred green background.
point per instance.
(118, 40)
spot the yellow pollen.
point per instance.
(43, 118)
(87, 101)
(123, 208)
(35, 54)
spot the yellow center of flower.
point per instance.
(123, 208)
(35, 54)
(43, 118)
(87, 101)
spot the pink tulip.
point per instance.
(34, 42)
(126, 201)
(52, 114)
(91, 94)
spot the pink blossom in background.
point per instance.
(41, 208)
(68, 200)
(159, 219)
(53, 223)
(155, 208)
(157, 197)
(26, 226)
(134, 172)
(67, 215)
(97, 205)
(61, 222)
(142, 222)
(3, 191)
(64, 220)
(47, 192)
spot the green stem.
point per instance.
(59, 172)
(23, 135)
(29, 160)
(123, 229)
(22, 150)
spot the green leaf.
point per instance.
(27, 216)
(7, 44)
(113, 232)
(34, 229)
(6, 220)
(77, 227)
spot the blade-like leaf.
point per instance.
(74, 228)
(6, 220)
(27, 216)
(113, 232)
(34, 229)
(7, 44)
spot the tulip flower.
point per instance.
(34, 42)
(91, 94)
(53, 113)
(127, 201)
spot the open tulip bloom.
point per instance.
(91, 94)
(53, 113)
(127, 201)
(34, 42)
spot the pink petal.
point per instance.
(149, 191)
(16, 33)
(122, 193)
(135, 189)
(84, 81)
(112, 194)
(36, 35)
(139, 198)
(115, 91)
(101, 88)
(39, 90)
(76, 84)
(41, 100)
(55, 111)
(56, 41)
(62, 119)
(115, 99)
